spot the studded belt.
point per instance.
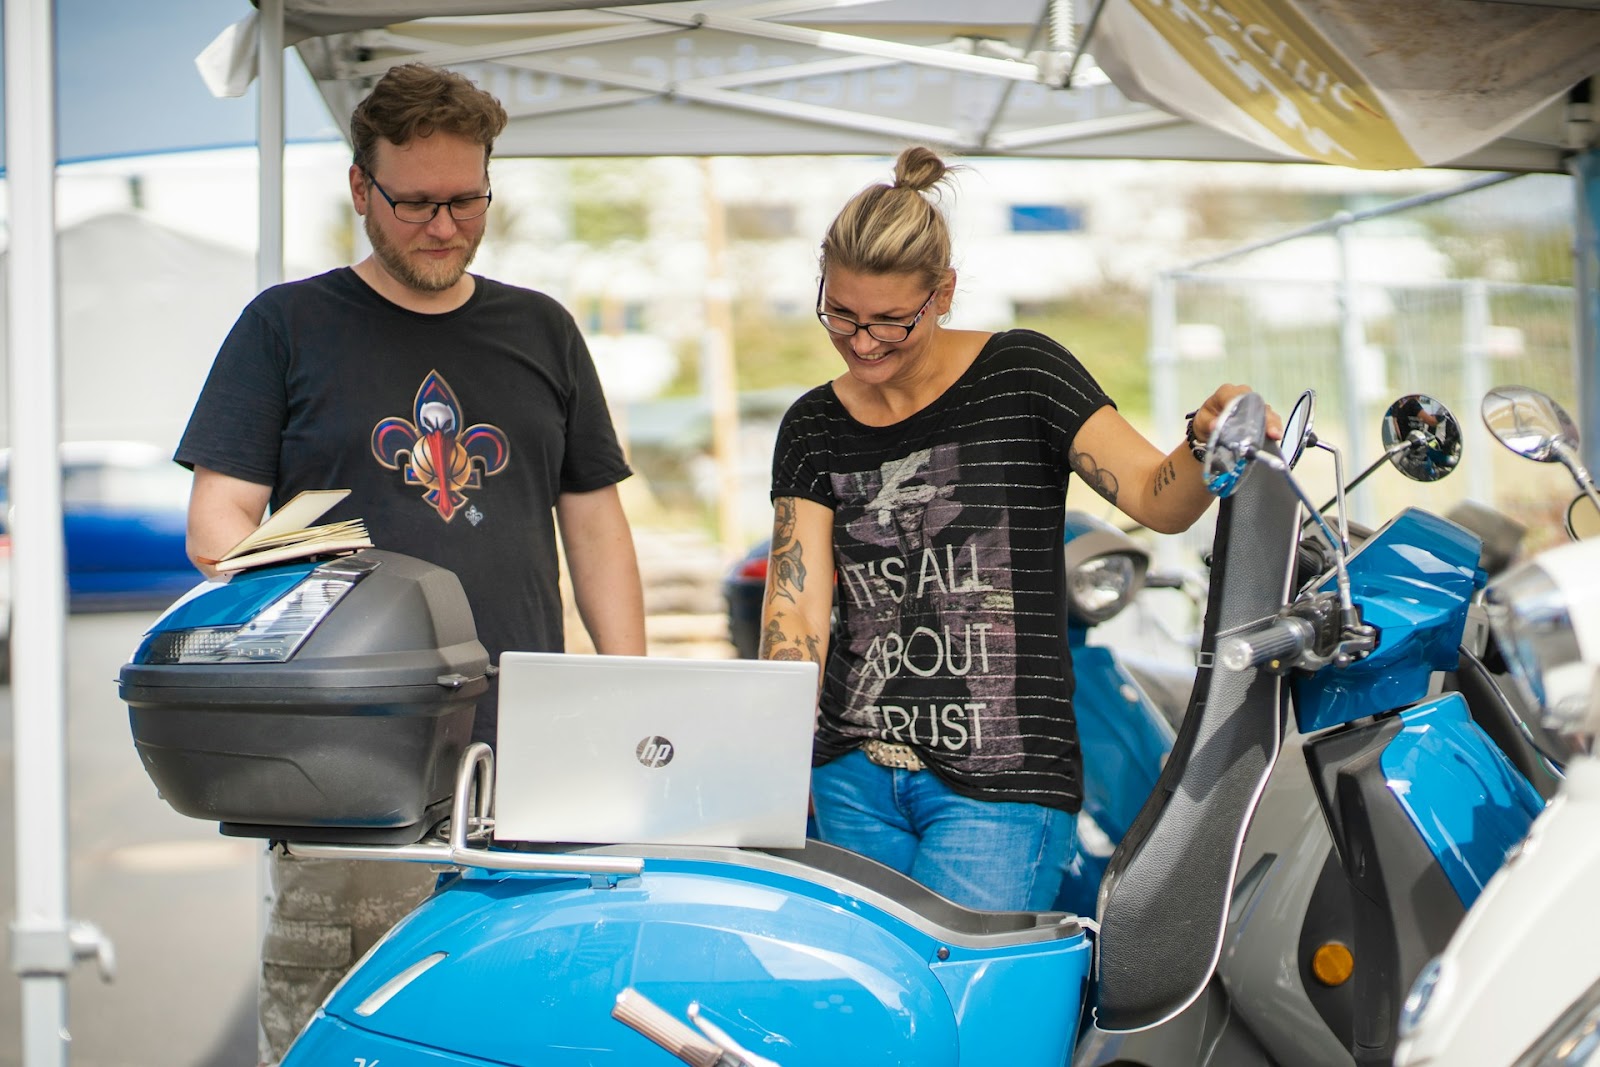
(897, 757)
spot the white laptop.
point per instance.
(645, 750)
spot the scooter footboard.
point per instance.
(1164, 900)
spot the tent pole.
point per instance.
(44, 943)
(269, 272)
(720, 376)
(1586, 279)
(269, 141)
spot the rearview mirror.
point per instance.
(1421, 438)
(1529, 423)
(1235, 439)
(1297, 428)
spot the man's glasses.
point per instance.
(887, 332)
(419, 211)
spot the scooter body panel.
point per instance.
(1527, 950)
(1414, 580)
(1208, 1033)
(792, 968)
(1026, 1003)
(1263, 967)
(1261, 997)
(1420, 805)
(1463, 796)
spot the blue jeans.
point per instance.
(993, 855)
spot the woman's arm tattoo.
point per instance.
(775, 644)
(787, 579)
(788, 569)
(1166, 474)
(1097, 477)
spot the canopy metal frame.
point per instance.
(346, 43)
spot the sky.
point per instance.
(127, 83)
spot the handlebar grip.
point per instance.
(1280, 640)
(634, 1009)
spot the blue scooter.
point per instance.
(1404, 783)
(813, 955)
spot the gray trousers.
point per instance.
(325, 915)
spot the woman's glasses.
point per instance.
(887, 332)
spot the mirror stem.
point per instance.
(1340, 490)
(1580, 474)
(1347, 609)
(1416, 437)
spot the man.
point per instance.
(460, 412)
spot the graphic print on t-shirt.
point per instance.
(927, 589)
(435, 452)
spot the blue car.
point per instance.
(124, 504)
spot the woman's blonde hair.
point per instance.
(895, 228)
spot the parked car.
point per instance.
(124, 505)
(743, 588)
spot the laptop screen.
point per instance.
(646, 750)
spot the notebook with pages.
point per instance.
(647, 750)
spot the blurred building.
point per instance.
(143, 310)
(158, 259)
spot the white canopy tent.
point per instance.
(1487, 84)
(1008, 77)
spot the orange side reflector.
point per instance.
(1332, 964)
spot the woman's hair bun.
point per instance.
(895, 228)
(918, 169)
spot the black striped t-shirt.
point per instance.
(947, 534)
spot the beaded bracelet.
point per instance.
(1197, 447)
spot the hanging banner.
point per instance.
(1358, 83)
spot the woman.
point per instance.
(921, 493)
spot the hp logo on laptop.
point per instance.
(654, 751)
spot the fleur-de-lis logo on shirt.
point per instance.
(435, 452)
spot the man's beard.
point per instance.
(423, 277)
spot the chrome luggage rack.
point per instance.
(468, 833)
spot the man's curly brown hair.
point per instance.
(414, 100)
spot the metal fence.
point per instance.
(1449, 294)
